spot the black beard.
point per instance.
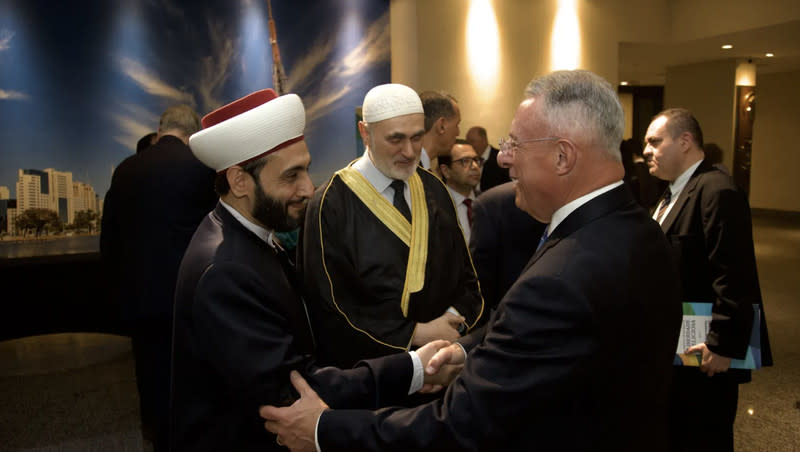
(274, 214)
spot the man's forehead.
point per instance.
(657, 125)
(406, 124)
(460, 150)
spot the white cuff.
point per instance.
(453, 311)
(316, 430)
(418, 377)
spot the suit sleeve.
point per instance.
(371, 384)
(729, 245)
(535, 354)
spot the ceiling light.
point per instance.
(623, 83)
(727, 46)
(769, 55)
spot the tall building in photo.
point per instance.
(4, 192)
(61, 199)
(33, 190)
(83, 197)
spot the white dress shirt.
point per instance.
(675, 188)
(461, 210)
(564, 211)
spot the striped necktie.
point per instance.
(662, 208)
(543, 238)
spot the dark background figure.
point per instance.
(146, 141)
(714, 155)
(156, 200)
(503, 240)
(493, 174)
(646, 188)
(707, 222)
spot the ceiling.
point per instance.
(647, 63)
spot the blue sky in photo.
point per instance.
(82, 81)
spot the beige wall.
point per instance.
(707, 90)
(693, 19)
(774, 181)
(440, 61)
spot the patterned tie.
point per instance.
(662, 208)
(468, 203)
(399, 200)
(544, 237)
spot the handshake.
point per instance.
(441, 361)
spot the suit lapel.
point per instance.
(600, 206)
(687, 191)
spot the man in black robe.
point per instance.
(240, 326)
(386, 270)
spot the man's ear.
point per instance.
(566, 157)
(440, 125)
(239, 180)
(444, 170)
(685, 139)
(362, 130)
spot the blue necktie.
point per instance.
(543, 239)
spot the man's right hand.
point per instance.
(443, 327)
(443, 367)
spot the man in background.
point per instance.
(442, 117)
(493, 174)
(156, 200)
(461, 171)
(706, 219)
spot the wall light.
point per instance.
(769, 55)
(483, 45)
(565, 39)
(623, 83)
(727, 46)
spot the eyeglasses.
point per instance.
(510, 146)
(466, 162)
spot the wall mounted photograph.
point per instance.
(82, 81)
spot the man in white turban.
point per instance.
(240, 325)
(383, 259)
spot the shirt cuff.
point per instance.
(418, 377)
(316, 430)
(453, 311)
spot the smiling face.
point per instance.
(283, 188)
(394, 144)
(532, 164)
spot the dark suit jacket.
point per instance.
(711, 235)
(577, 356)
(240, 327)
(503, 240)
(492, 174)
(156, 200)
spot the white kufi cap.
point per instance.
(389, 101)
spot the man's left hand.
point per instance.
(295, 425)
(712, 363)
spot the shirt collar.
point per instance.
(458, 198)
(677, 185)
(370, 172)
(486, 152)
(424, 159)
(262, 233)
(564, 211)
